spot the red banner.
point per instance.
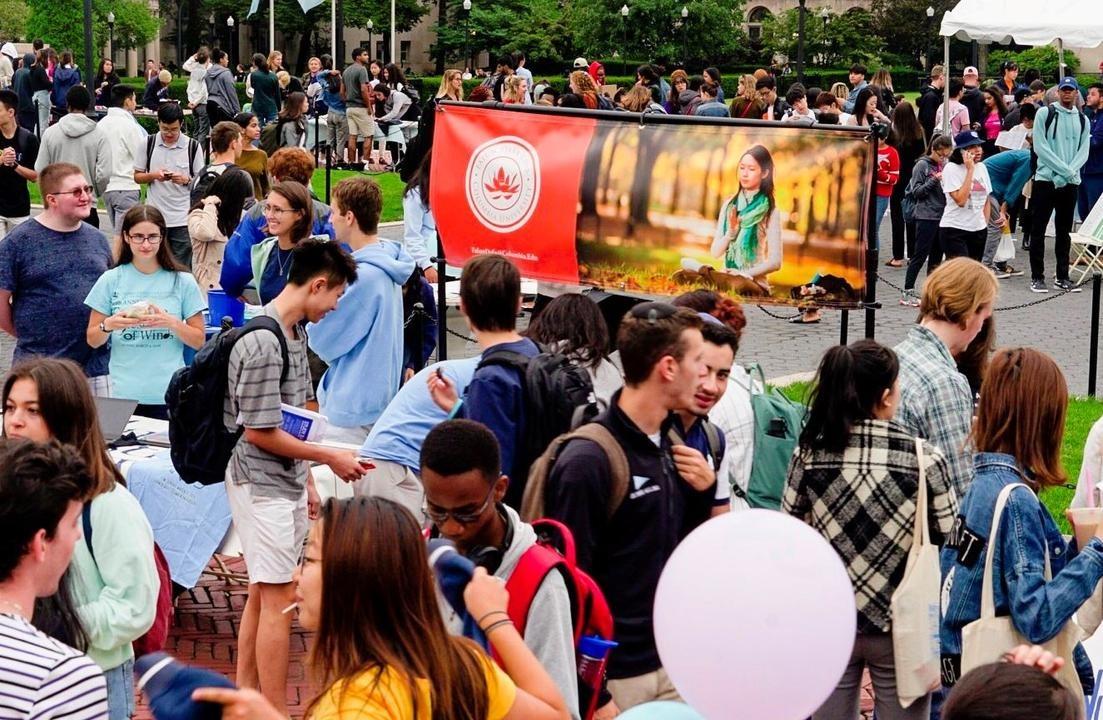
(770, 212)
(508, 183)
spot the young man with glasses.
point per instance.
(625, 546)
(48, 265)
(77, 139)
(18, 152)
(167, 163)
(464, 499)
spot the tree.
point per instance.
(61, 25)
(533, 26)
(846, 38)
(714, 30)
(14, 15)
(904, 26)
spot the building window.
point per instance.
(379, 50)
(754, 22)
(404, 53)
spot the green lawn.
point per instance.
(389, 183)
(1082, 414)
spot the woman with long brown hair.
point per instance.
(289, 213)
(381, 647)
(746, 104)
(112, 575)
(150, 308)
(1017, 436)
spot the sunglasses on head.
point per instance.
(653, 311)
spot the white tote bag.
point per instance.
(915, 609)
(1006, 249)
(988, 638)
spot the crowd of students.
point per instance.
(447, 451)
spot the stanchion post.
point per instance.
(442, 306)
(871, 250)
(329, 169)
(844, 325)
(316, 137)
(1093, 353)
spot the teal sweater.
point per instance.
(115, 594)
(1062, 149)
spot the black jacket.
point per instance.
(973, 99)
(929, 100)
(626, 553)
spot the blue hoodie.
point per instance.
(64, 79)
(361, 340)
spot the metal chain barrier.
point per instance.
(418, 310)
(779, 317)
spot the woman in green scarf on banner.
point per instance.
(748, 231)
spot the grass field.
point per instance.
(1082, 414)
(389, 183)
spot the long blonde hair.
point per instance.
(511, 90)
(446, 83)
(749, 93)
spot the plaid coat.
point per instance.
(863, 502)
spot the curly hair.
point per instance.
(291, 164)
(583, 82)
(721, 307)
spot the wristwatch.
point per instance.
(103, 328)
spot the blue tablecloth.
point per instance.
(189, 521)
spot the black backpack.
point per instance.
(151, 142)
(201, 443)
(559, 396)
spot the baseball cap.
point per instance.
(970, 71)
(966, 139)
(1068, 83)
(581, 64)
(168, 685)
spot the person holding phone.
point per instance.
(167, 163)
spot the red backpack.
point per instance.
(555, 551)
(154, 638)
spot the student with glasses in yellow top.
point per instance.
(381, 650)
(149, 307)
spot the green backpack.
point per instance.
(778, 422)
(270, 137)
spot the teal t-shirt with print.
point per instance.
(143, 359)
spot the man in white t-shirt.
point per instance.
(41, 486)
(965, 181)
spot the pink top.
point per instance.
(992, 125)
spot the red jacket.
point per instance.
(888, 170)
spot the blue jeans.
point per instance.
(880, 208)
(120, 691)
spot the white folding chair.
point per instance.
(1087, 245)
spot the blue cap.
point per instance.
(1068, 83)
(595, 647)
(967, 138)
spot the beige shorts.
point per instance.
(360, 121)
(394, 482)
(271, 530)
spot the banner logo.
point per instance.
(503, 183)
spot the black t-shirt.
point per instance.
(15, 200)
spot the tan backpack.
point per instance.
(532, 506)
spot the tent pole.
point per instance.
(946, 86)
(1060, 59)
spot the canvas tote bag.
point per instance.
(915, 606)
(986, 639)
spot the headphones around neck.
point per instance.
(488, 556)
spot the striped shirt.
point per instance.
(41, 678)
(253, 397)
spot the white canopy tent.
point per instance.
(1076, 23)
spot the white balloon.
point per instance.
(755, 618)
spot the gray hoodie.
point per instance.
(930, 201)
(221, 89)
(549, 632)
(77, 139)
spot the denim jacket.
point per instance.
(1038, 609)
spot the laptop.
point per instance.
(114, 414)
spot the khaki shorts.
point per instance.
(272, 532)
(360, 121)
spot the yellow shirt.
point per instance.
(390, 699)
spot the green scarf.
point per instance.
(743, 251)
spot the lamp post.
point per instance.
(466, 38)
(623, 39)
(371, 50)
(685, 23)
(800, 43)
(210, 21)
(927, 40)
(111, 36)
(825, 15)
(233, 38)
(88, 61)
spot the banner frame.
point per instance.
(873, 134)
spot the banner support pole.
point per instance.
(870, 303)
(844, 325)
(1093, 351)
(442, 306)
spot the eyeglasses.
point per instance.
(86, 190)
(440, 515)
(143, 239)
(269, 210)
